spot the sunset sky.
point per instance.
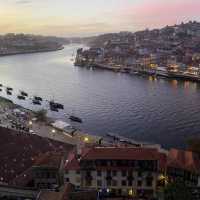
(89, 17)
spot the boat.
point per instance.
(53, 108)
(24, 93)
(76, 119)
(60, 106)
(9, 92)
(37, 98)
(36, 102)
(9, 88)
(20, 97)
(56, 105)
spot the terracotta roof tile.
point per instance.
(50, 159)
(122, 153)
(185, 160)
(18, 152)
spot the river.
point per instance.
(140, 107)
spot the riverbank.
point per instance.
(140, 71)
(32, 51)
(17, 118)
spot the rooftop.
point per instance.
(49, 159)
(19, 151)
(185, 160)
(121, 153)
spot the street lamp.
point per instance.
(53, 130)
(86, 139)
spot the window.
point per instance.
(130, 173)
(53, 175)
(130, 183)
(119, 191)
(149, 183)
(98, 173)
(108, 182)
(114, 173)
(123, 183)
(48, 175)
(67, 180)
(114, 183)
(77, 171)
(123, 173)
(139, 174)
(108, 173)
(78, 180)
(139, 183)
(88, 183)
(88, 173)
(99, 183)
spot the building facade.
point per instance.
(119, 171)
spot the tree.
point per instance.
(177, 191)
(194, 145)
(41, 115)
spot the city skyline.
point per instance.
(86, 18)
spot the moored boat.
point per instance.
(20, 97)
(53, 108)
(9, 92)
(56, 105)
(76, 119)
(38, 98)
(9, 88)
(36, 102)
(24, 93)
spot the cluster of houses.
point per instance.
(113, 171)
(93, 171)
(131, 171)
(172, 50)
(26, 43)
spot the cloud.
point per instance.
(156, 13)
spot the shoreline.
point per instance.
(128, 70)
(73, 137)
(45, 129)
(32, 51)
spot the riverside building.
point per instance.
(117, 171)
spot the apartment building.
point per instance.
(120, 171)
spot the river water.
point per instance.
(140, 107)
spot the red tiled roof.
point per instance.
(121, 153)
(18, 152)
(185, 160)
(50, 159)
